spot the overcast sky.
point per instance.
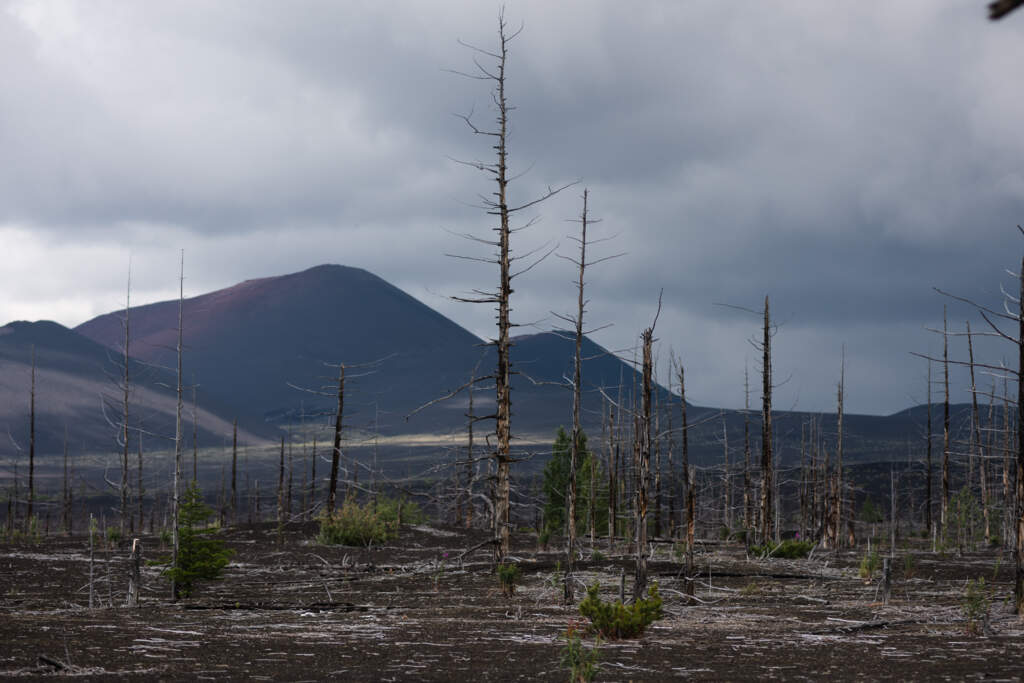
(842, 157)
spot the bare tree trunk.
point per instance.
(195, 436)
(336, 453)
(280, 489)
(748, 494)
(612, 483)
(840, 483)
(135, 579)
(1018, 584)
(929, 506)
(766, 429)
(976, 442)
(643, 438)
(234, 471)
(945, 423)
(126, 391)
(657, 472)
(31, 442)
(727, 497)
(577, 389)
(312, 475)
(66, 491)
(685, 464)
(175, 494)
(288, 495)
(803, 481)
(140, 491)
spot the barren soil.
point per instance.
(288, 609)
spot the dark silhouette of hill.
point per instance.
(74, 377)
(250, 345)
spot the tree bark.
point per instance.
(336, 452)
(643, 437)
(766, 429)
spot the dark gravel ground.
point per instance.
(288, 609)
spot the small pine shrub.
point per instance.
(976, 605)
(597, 556)
(508, 576)
(200, 557)
(356, 524)
(869, 564)
(398, 511)
(790, 549)
(113, 535)
(582, 664)
(615, 621)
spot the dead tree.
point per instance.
(336, 451)
(195, 436)
(766, 428)
(66, 490)
(31, 440)
(175, 494)
(945, 422)
(976, 455)
(280, 490)
(234, 471)
(748, 494)
(928, 450)
(612, 471)
(643, 441)
(499, 205)
(685, 448)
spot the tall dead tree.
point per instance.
(945, 422)
(766, 428)
(840, 498)
(31, 441)
(125, 397)
(66, 490)
(234, 471)
(499, 205)
(176, 492)
(643, 441)
(976, 455)
(748, 494)
(336, 451)
(928, 454)
(685, 448)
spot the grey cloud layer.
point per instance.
(842, 157)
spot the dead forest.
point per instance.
(608, 554)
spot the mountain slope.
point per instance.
(249, 343)
(76, 388)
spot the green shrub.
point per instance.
(356, 524)
(724, 533)
(582, 664)
(615, 621)
(869, 564)
(789, 549)
(113, 535)
(399, 511)
(976, 605)
(597, 556)
(200, 558)
(508, 575)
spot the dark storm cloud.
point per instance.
(843, 157)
